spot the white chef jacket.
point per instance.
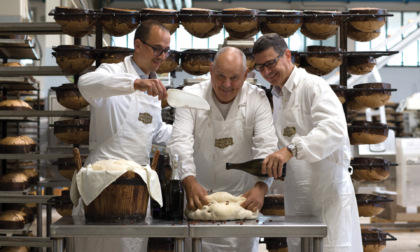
(124, 123)
(309, 115)
(205, 141)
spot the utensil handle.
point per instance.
(155, 159)
(77, 159)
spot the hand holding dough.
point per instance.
(222, 206)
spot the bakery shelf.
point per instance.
(39, 199)
(17, 193)
(23, 231)
(30, 28)
(34, 71)
(26, 241)
(18, 49)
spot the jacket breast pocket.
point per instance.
(296, 121)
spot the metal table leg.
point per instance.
(305, 244)
(317, 244)
(196, 245)
(58, 245)
(179, 245)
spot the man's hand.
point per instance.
(196, 194)
(273, 163)
(153, 87)
(255, 197)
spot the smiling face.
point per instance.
(144, 54)
(279, 73)
(228, 75)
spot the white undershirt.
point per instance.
(223, 107)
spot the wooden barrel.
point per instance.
(125, 199)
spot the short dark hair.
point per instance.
(269, 40)
(143, 31)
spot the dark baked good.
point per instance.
(119, 25)
(284, 26)
(197, 61)
(18, 144)
(73, 131)
(74, 22)
(200, 26)
(170, 63)
(241, 26)
(69, 96)
(170, 20)
(360, 65)
(319, 27)
(74, 59)
(14, 105)
(367, 23)
(11, 219)
(14, 249)
(14, 181)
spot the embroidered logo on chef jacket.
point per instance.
(289, 131)
(223, 142)
(146, 118)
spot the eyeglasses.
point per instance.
(157, 51)
(268, 64)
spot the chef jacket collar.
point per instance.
(288, 87)
(140, 72)
(242, 98)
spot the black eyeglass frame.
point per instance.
(160, 50)
(260, 67)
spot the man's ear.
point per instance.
(137, 44)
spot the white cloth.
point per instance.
(205, 142)
(124, 123)
(318, 182)
(91, 183)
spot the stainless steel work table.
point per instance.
(310, 229)
(77, 227)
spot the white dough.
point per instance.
(222, 206)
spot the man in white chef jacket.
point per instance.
(126, 115)
(313, 140)
(237, 128)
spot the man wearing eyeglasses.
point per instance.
(126, 116)
(313, 138)
(238, 127)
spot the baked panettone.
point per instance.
(202, 26)
(14, 105)
(14, 181)
(69, 96)
(14, 249)
(31, 173)
(17, 144)
(27, 213)
(73, 131)
(11, 219)
(167, 17)
(12, 64)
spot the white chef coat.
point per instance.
(205, 141)
(309, 115)
(124, 123)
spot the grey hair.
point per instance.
(230, 48)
